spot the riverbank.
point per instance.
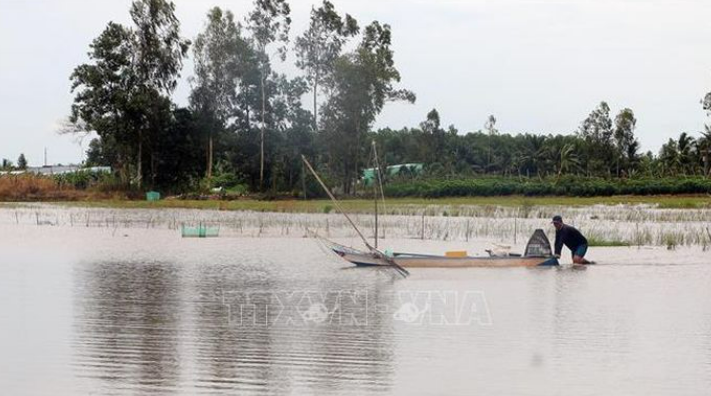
(88, 190)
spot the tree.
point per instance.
(704, 147)
(626, 144)
(178, 166)
(22, 162)
(597, 131)
(221, 57)
(124, 93)
(490, 127)
(705, 141)
(103, 91)
(318, 47)
(566, 158)
(158, 53)
(434, 137)
(669, 158)
(269, 22)
(686, 145)
(362, 83)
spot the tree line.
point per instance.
(603, 147)
(246, 124)
(7, 165)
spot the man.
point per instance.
(572, 238)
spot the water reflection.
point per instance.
(128, 325)
(161, 327)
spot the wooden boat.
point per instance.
(538, 253)
(538, 249)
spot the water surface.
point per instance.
(142, 311)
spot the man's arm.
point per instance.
(558, 242)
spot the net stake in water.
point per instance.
(390, 261)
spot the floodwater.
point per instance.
(126, 311)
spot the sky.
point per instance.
(539, 66)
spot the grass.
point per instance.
(603, 243)
(30, 187)
(403, 204)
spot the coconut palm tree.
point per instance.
(567, 159)
(685, 150)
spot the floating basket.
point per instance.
(200, 231)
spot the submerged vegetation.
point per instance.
(605, 226)
(461, 206)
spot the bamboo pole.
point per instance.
(373, 250)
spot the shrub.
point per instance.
(566, 186)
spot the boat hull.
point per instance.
(426, 261)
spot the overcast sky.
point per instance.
(539, 66)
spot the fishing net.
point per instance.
(538, 245)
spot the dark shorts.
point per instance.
(580, 250)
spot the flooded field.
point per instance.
(637, 225)
(115, 302)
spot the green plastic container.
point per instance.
(200, 231)
(152, 196)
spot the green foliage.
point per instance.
(362, 82)
(566, 186)
(21, 162)
(250, 119)
(83, 179)
(320, 45)
(122, 94)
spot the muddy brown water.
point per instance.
(142, 311)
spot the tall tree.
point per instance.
(490, 127)
(21, 162)
(597, 131)
(124, 93)
(269, 23)
(705, 141)
(158, 53)
(686, 145)
(221, 57)
(434, 138)
(103, 92)
(626, 144)
(362, 83)
(318, 47)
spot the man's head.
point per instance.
(557, 222)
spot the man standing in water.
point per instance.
(572, 238)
